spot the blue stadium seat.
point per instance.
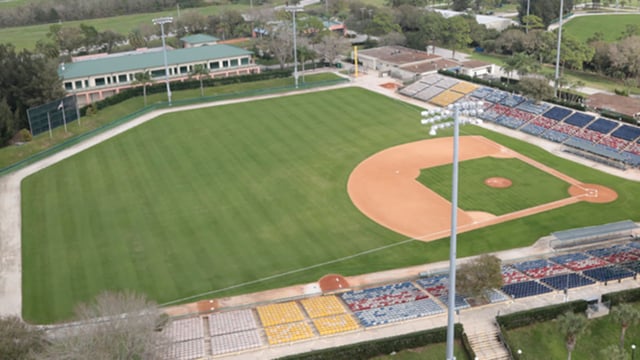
(579, 119)
(557, 113)
(627, 132)
(603, 125)
(525, 289)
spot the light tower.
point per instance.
(161, 21)
(439, 119)
(293, 9)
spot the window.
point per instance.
(122, 78)
(86, 83)
(68, 85)
(184, 69)
(99, 81)
(225, 63)
(157, 73)
(234, 62)
(79, 84)
(244, 61)
(214, 65)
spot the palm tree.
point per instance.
(144, 79)
(626, 315)
(571, 326)
(199, 71)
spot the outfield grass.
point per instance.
(430, 352)
(544, 340)
(208, 199)
(12, 154)
(530, 186)
(25, 37)
(611, 26)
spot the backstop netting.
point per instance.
(51, 115)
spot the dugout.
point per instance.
(622, 230)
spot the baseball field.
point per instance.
(239, 198)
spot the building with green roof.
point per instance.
(94, 78)
(198, 40)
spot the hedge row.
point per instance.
(369, 349)
(624, 296)
(160, 86)
(615, 115)
(546, 313)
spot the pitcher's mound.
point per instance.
(498, 182)
(333, 282)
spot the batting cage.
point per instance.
(51, 115)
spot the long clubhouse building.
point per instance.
(95, 77)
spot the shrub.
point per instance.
(546, 313)
(624, 296)
(25, 135)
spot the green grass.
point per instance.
(544, 340)
(530, 186)
(209, 199)
(12, 154)
(611, 26)
(430, 352)
(25, 37)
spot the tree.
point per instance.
(331, 46)
(19, 340)
(626, 315)
(536, 87)
(144, 79)
(532, 22)
(109, 39)
(479, 275)
(6, 122)
(547, 10)
(457, 34)
(571, 326)
(613, 352)
(114, 326)
(199, 72)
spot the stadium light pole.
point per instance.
(293, 9)
(161, 21)
(439, 119)
(557, 78)
(633, 351)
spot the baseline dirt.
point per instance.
(384, 187)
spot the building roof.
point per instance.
(398, 55)
(474, 64)
(621, 104)
(435, 65)
(199, 39)
(147, 60)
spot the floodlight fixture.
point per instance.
(161, 21)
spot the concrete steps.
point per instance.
(486, 343)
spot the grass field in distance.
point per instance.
(207, 199)
(612, 26)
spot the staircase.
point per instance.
(485, 342)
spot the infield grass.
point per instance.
(246, 197)
(530, 185)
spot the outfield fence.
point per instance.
(159, 106)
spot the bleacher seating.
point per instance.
(615, 254)
(236, 341)
(464, 87)
(533, 107)
(289, 332)
(634, 148)
(631, 158)
(567, 281)
(431, 79)
(589, 135)
(598, 149)
(446, 82)
(555, 136)
(603, 125)
(540, 268)
(496, 96)
(377, 297)
(184, 329)
(512, 100)
(319, 306)
(632, 266)
(544, 122)
(578, 261)
(524, 289)
(414, 88)
(186, 350)
(482, 92)
(399, 312)
(579, 119)
(608, 273)
(614, 142)
(274, 314)
(557, 113)
(533, 129)
(627, 132)
(335, 324)
(445, 98)
(566, 128)
(232, 321)
(460, 301)
(512, 275)
(436, 285)
(495, 296)
(427, 93)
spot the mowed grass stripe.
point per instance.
(530, 186)
(207, 199)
